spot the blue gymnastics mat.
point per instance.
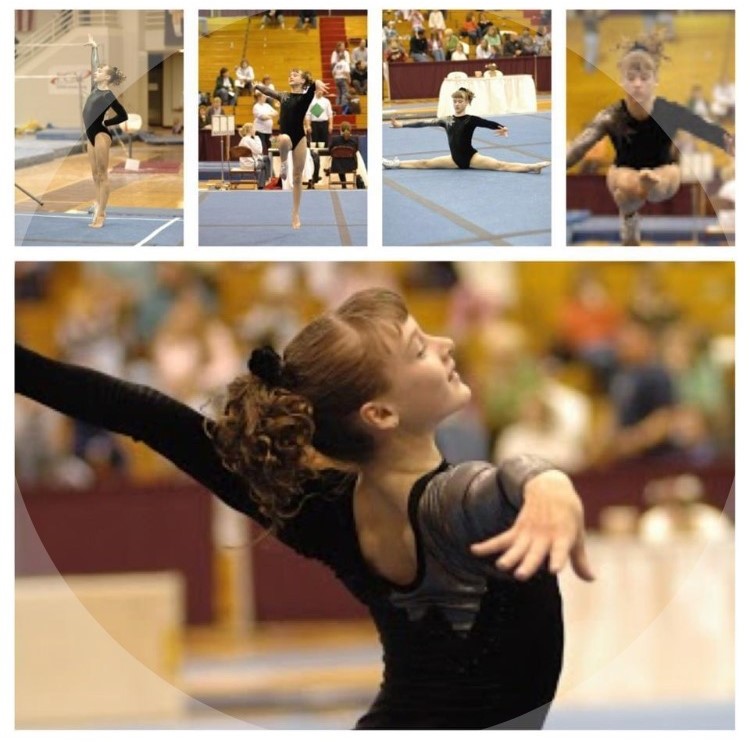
(263, 218)
(136, 227)
(469, 207)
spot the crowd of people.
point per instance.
(612, 381)
(478, 37)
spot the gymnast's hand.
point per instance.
(320, 85)
(501, 131)
(91, 42)
(549, 525)
(729, 144)
(395, 123)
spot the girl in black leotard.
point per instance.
(292, 139)
(332, 445)
(100, 100)
(460, 129)
(642, 128)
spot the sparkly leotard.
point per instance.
(500, 670)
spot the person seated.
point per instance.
(511, 46)
(451, 43)
(306, 19)
(273, 18)
(527, 42)
(543, 41)
(359, 54)
(243, 78)
(256, 161)
(343, 165)
(483, 24)
(493, 39)
(484, 51)
(216, 109)
(204, 118)
(224, 87)
(459, 55)
(418, 47)
(437, 50)
(359, 77)
(395, 52)
(469, 29)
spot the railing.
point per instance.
(63, 23)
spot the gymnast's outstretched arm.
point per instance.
(94, 58)
(396, 124)
(270, 92)
(169, 427)
(593, 132)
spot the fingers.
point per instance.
(493, 545)
(580, 562)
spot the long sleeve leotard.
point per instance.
(97, 105)
(643, 143)
(460, 130)
(461, 649)
(293, 109)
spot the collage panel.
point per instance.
(282, 156)
(467, 91)
(650, 127)
(99, 128)
(376, 421)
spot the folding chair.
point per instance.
(239, 175)
(343, 162)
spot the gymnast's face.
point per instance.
(425, 385)
(296, 78)
(103, 74)
(639, 82)
(460, 104)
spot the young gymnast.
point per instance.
(642, 128)
(460, 129)
(332, 446)
(100, 100)
(292, 139)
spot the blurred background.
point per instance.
(169, 610)
(697, 71)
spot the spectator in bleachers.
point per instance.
(543, 41)
(511, 47)
(417, 20)
(244, 76)
(418, 47)
(527, 42)
(483, 23)
(494, 40)
(216, 108)
(306, 19)
(341, 73)
(264, 114)
(257, 161)
(436, 23)
(390, 34)
(697, 102)
(359, 78)
(273, 18)
(642, 396)
(484, 51)
(451, 43)
(320, 116)
(460, 52)
(395, 52)
(359, 53)
(224, 87)
(340, 53)
(469, 29)
(722, 99)
(437, 51)
(204, 119)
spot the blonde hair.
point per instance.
(642, 53)
(464, 93)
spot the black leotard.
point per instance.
(648, 143)
(293, 109)
(504, 671)
(460, 130)
(97, 104)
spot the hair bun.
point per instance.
(265, 364)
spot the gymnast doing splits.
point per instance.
(331, 446)
(460, 130)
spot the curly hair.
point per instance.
(116, 77)
(275, 431)
(644, 51)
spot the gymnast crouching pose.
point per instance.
(100, 100)
(292, 139)
(642, 129)
(332, 446)
(460, 129)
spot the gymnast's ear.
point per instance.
(379, 415)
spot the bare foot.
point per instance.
(98, 221)
(539, 166)
(296, 223)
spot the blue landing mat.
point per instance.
(33, 151)
(263, 218)
(136, 227)
(469, 207)
(663, 230)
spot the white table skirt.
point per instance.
(493, 95)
